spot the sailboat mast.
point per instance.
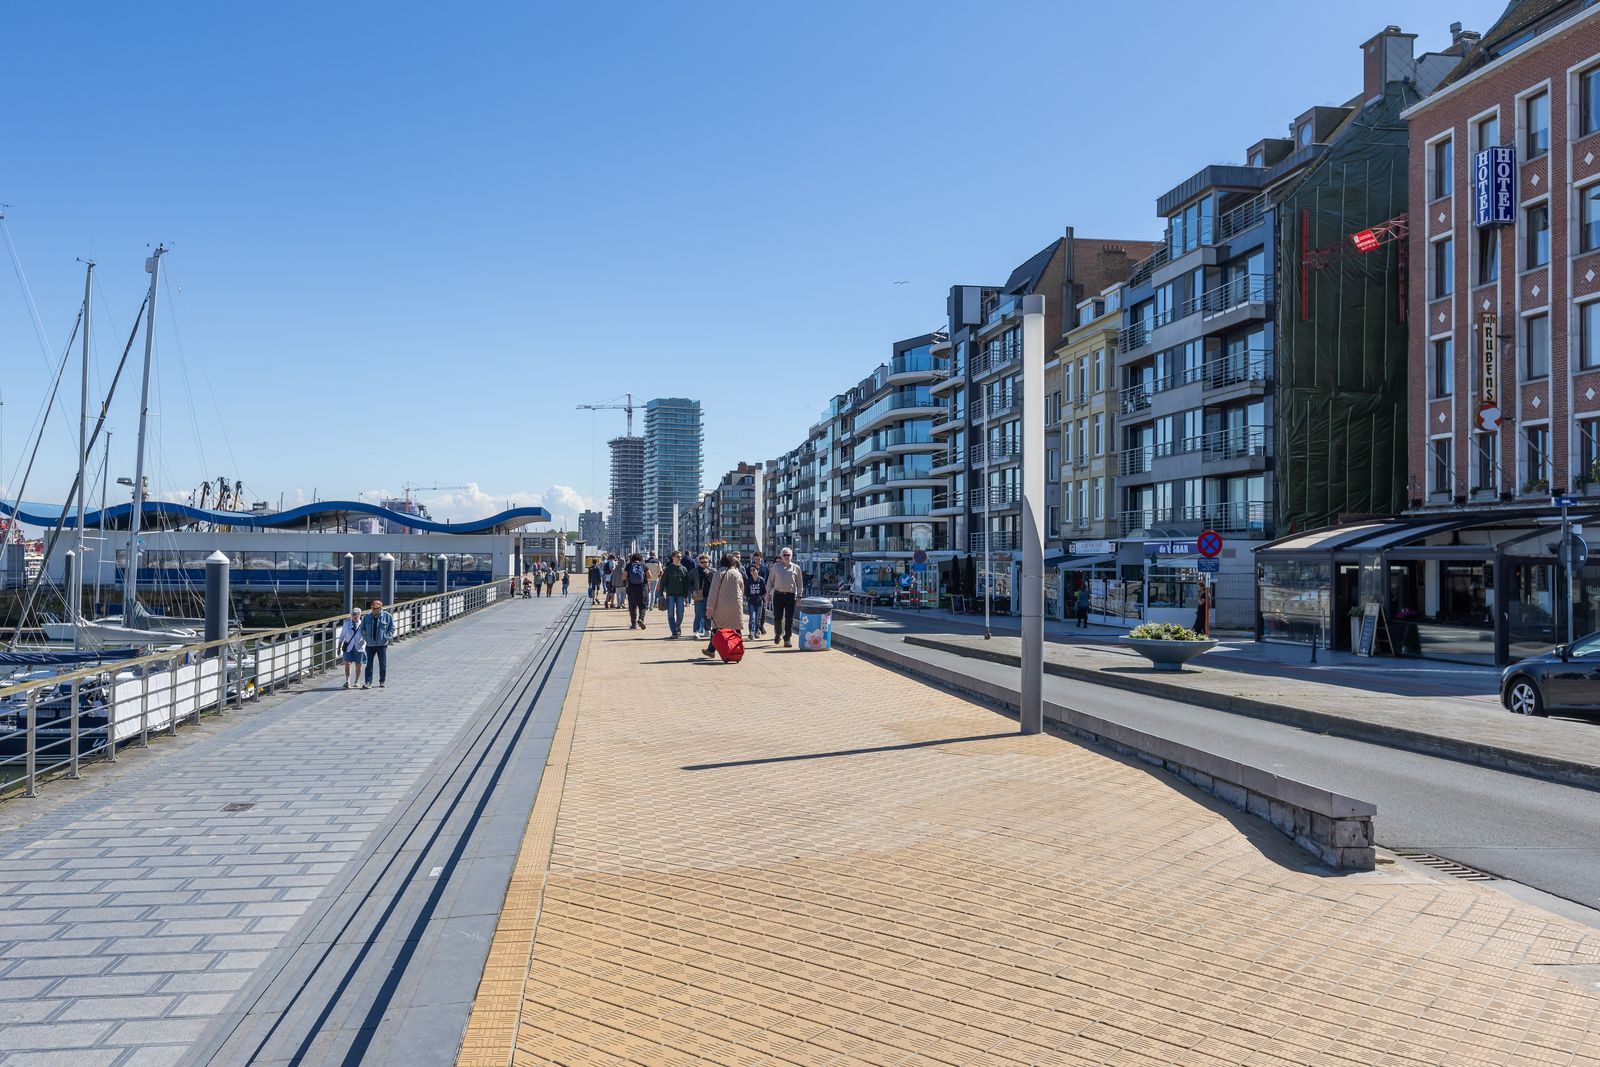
(105, 470)
(130, 572)
(75, 608)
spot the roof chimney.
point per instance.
(1462, 41)
(1387, 57)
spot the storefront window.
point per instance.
(1530, 609)
(1294, 599)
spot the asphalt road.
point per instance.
(1535, 832)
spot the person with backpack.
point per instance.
(755, 592)
(725, 602)
(675, 586)
(637, 577)
(594, 584)
(550, 582)
(701, 579)
(606, 570)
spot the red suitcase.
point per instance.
(729, 645)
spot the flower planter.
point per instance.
(1168, 655)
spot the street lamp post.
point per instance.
(1032, 591)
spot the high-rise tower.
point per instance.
(674, 441)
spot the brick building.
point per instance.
(1504, 302)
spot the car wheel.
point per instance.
(1523, 698)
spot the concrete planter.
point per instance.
(1168, 655)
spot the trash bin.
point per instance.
(816, 623)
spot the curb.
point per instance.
(1549, 768)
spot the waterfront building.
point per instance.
(625, 524)
(592, 529)
(827, 559)
(892, 484)
(979, 426)
(735, 513)
(674, 443)
(1080, 407)
(1504, 307)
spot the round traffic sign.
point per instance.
(1209, 544)
(919, 556)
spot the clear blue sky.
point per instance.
(409, 238)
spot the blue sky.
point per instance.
(407, 239)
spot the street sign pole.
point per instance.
(1032, 578)
(1566, 556)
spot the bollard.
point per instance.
(69, 576)
(349, 570)
(386, 579)
(441, 570)
(216, 599)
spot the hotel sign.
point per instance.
(1488, 371)
(1494, 186)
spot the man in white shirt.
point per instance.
(785, 584)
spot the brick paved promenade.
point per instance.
(135, 910)
(809, 859)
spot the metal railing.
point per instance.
(1004, 451)
(55, 724)
(950, 457)
(999, 541)
(1235, 368)
(1237, 443)
(1241, 517)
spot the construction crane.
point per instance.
(612, 405)
(409, 488)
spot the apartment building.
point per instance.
(734, 517)
(674, 442)
(625, 525)
(979, 424)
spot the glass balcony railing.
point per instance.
(1239, 517)
(910, 398)
(919, 360)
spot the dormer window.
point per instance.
(1305, 133)
(1258, 158)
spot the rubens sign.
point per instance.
(1488, 371)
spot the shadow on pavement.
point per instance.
(847, 752)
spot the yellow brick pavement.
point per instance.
(809, 859)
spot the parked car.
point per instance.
(1567, 678)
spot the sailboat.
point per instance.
(137, 627)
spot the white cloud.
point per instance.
(474, 502)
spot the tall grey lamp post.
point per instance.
(1032, 591)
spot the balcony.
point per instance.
(1004, 310)
(867, 545)
(996, 541)
(1003, 405)
(1238, 293)
(1136, 336)
(1248, 366)
(1233, 222)
(908, 366)
(951, 459)
(892, 442)
(1248, 518)
(1244, 442)
(893, 476)
(913, 401)
(992, 360)
(949, 419)
(867, 514)
(1003, 451)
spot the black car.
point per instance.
(1567, 678)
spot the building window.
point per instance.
(1083, 499)
(1488, 254)
(1536, 117)
(1589, 450)
(1083, 377)
(1486, 460)
(1052, 464)
(1444, 362)
(1257, 159)
(1443, 163)
(1444, 280)
(1099, 435)
(1052, 521)
(1305, 133)
(1537, 457)
(1589, 218)
(1440, 463)
(1536, 342)
(1488, 132)
(1097, 490)
(1538, 230)
(1589, 335)
(1099, 370)
(1589, 101)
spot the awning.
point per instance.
(1358, 537)
(1080, 562)
(1328, 537)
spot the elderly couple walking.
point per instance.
(726, 605)
(364, 641)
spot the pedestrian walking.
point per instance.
(606, 568)
(594, 583)
(755, 598)
(566, 581)
(377, 630)
(725, 601)
(638, 579)
(550, 582)
(1082, 605)
(675, 586)
(701, 589)
(527, 586)
(652, 574)
(1202, 616)
(619, 583)
(785, 586)
(352, 648)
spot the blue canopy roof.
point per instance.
(157, 513)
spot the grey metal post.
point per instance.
(217, 565)
(1566, 561)
(1032, 583)
(441, 570)
(349, 570)
(386, 578)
